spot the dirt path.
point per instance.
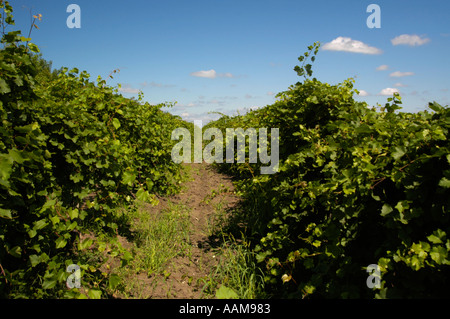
(206, 192)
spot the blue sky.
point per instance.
(227, 55)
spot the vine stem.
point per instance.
(4, 274)
(31, 29)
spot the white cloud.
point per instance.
(363, 93)
(409, 39)
(211, 74)
(185, 114)
(398, 74)
(204, 117)
(389, 91)
(398, 84)
(349, 45)
(382, 67)
(126, 88)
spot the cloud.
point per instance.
(409, 39)
(211, 74)
(363, 93)
(205, 117)
(156, 85)
(398, 74)
(389, 91)
(349, 45)
(226, 75)
(270, 93)
(127, 88)
(216, 101)
(382, 67)
(398, 84)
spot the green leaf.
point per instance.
(128, 178)
(398, 152)
(49, 203)
(34, 259)
(4, 88)
(40, 224)
(386, 209)
(444, 182)
(85, 244)
(363, 128)
(143, 195)
(438, 254)
(313, 99)
(126, 258)
(5, 213)
(434, 239)
(114, 281)
(402, 206)
(33, 47)
(226, 293)
(32, 233)
(49, 283)
(6, 164)
(73, 213)
(437, 237)
(309, 289)
(16, 156)
(60, 242)
(95, 293)
(435, 107)
(286, 278)
(16, 251)
(116, 123)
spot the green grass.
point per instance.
(158, 237)
(237, 270)
(161, 238)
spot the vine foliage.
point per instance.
(357, 186)
(71, 153)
